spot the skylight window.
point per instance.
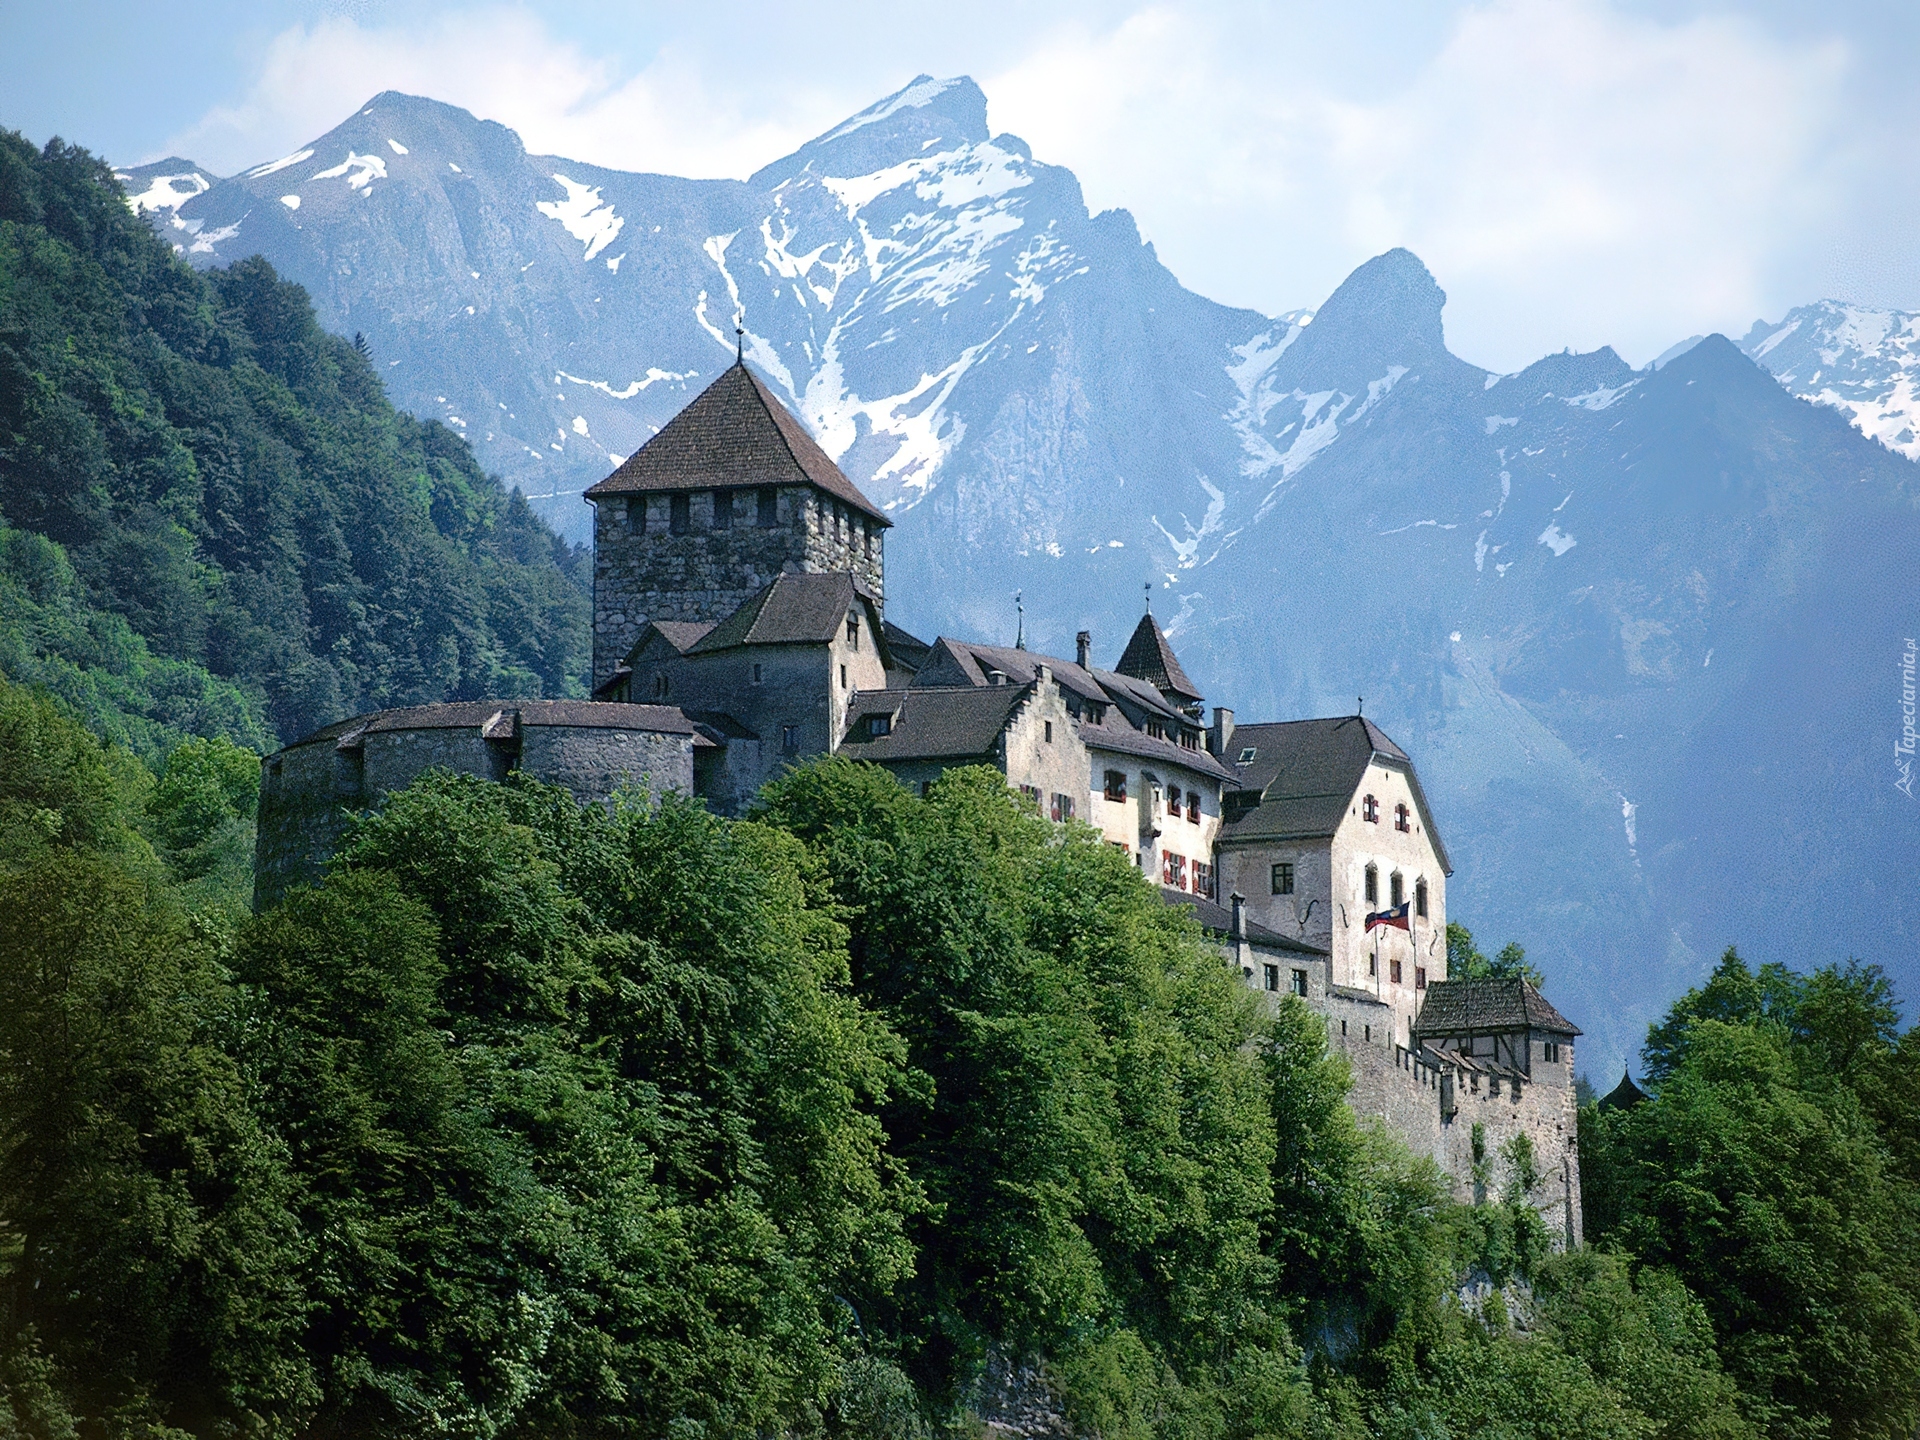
(1246, 755)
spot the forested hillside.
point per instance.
(214, 521)
(861, 1119)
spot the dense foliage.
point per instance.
(1772, 1172)
(863, 1117)
(214, 522)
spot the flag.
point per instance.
(1396, 918)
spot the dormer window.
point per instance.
(1401, 820)
(1370, 810)
(878, 725)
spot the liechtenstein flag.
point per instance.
(1396, 918)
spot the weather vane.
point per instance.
(1020, 629)
(739, 345)
(1148, 587)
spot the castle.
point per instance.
(739, 626)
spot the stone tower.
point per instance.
(732, 492)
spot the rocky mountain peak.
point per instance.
(923, 116)
(1387, 310)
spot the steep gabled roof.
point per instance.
(1149, 657)
(1478, 1007)
(733, 433)
(1304, 774)
(792, 610)
(945, 724)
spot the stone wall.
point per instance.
(310, 790)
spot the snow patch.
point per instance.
(398, 148)
(1555, 541)
(1186, 548)
(632, 388)
(1600, 397)
(360, 170)
(204, 243)
(579, 424)
(168, 192)
(1627, 812)
(1494, 422)
(292, 202)
(273, 167)
(583, 215)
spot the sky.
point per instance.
(1575, 173)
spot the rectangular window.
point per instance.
(1193, 806)
(1419, 977)
(867, 528)
(1062, 807)
(1031, 794)
(1270, 976)
(1370, 810)
(1283, 879)
(769, 507)
(723, 509)
(1116, 785)
(680, 514)
(1396, 972)
(637, 515)
(1300, 983)
(843, 677)
(789, 739)
(1203, 879)
(1173, 871)
(756, 674)
(1420, 898)
(1401, 820)
(1373, 965)
(1552, 1051)
(878, 725)
(853, 632)
(926, 788)
(1393, 888)
(1049, 732)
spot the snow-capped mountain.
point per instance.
(1865, 363)
(1631, 623)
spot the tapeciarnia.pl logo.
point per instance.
(1903, 748)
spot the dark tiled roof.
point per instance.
(1463, 1007)
(788, 610)
(1623, 1096)
(500, 717)
(953, 723)
(1149, 657)
(1305, 773)
(733, 433)
(1217, 919)
(908, 650)
(681, 634)
(1125, 740)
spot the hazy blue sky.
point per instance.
(1575, 172)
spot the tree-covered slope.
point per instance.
(232, 482)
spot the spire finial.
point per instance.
(1362, 703)
(1148, 587)
(739, 345)
(1020, 630)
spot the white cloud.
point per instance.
(1573, 173)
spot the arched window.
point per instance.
(1393, 883)
(1402, 819)
(1420, 898)
(1373, 885)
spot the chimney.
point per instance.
(996, 677)
(1220, 736)
(1083, 649)
(1239, 930)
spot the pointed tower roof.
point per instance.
(733, 433)
(1625, 1095)
(1149, 657)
